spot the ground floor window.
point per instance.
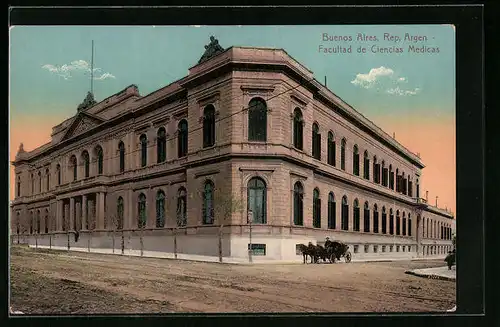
(257, 249)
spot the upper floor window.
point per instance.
(384, 174)
(391, 178)
(298, 124)
(366, 166)
(375, 218)
(342, 154)
(355, 222)
(100, 159)
(86, 163)
(144, 150)
(355, 160)
(121, 149)
(161, 145)
(344, 223)
(208, 126)
(398, 223)
(417, 189)
(182, 139)
(18, 188)
(47, 177)
(384, 221)
(257, 120)
(331, 149)
(58, 169)
(74, 166)
(160, 209)
(40, 182)
(366, 218)
(32, 184)
(331, 211)
(316, 142)
(141, 206)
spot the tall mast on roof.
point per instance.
(92, 70)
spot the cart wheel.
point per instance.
(348, 257)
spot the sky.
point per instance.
(406, 86)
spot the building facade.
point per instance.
(248, 134)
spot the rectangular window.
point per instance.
(375, 248)
(367, 247)
(356, 248)
(383, 248)
(391, 248)
(397, 248)
(257, 249)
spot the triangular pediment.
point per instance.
(82, 123)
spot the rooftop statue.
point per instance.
(87, 102)
(212, 49)
(21, 148)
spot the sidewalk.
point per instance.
(438, 273)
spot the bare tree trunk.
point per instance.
(220, 242)
(175, 242)
(123, 243)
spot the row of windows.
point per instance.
(436, 229)
(381, 174)
(403, 227)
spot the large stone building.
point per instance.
(248, 129)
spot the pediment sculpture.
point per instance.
(212, 49)
(88, 102)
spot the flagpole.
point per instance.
(92, 70)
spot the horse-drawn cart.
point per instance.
(331, 251)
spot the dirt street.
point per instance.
(58, 282)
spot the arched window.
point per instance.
(356, 215)
(18, 186)
(141, 206)
(47, 176)
(409, 224)
(160, 209)
(74, 166)
(418, 189)
(38, 230)
(410, 186)
(342, 154)
(384, 221)
(366, 220)
(257, 120)
(181, 207)
(398, 223)
(39, 182)
(208, 126)
(100, 159)
(119, 213)
(391, 222)
(427, 233)
(208, 203)
(182, 139)
(46, 221)
(316, 142)
(331, 149)
(161, 145)
(298, 204)
(375, 218)
(121, 149)
(398, 181)
(403, 183)
(355, 160)
(376, 172)
(86, 163)
(32, 184)
(58, 170)
(366, 166)
(316, 209)
(298, 124)
(257, 200)
(391, 178)
(384, 174)
(331, 211)
(344, 224)
(144, 150)
(404, 224)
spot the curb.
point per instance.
(431, 276)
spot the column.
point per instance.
(78, 216)
(71, 214)
(101, 211)
(350, 215)
(66, 217)
(84, 211)
(91, 217)
(59, 215)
